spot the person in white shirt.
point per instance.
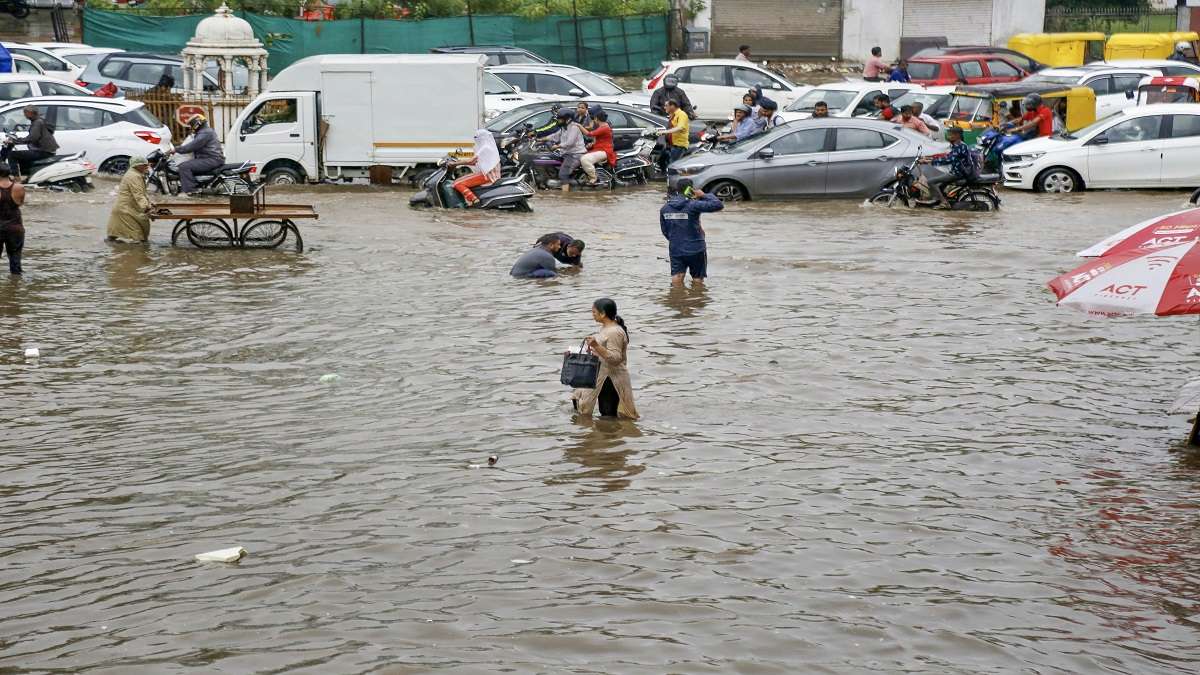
(918, 110)
(743, 53)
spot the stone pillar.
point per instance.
(227, 66)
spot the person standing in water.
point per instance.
(12, 229)
(613, 390)
(679, 219)
(130, 215)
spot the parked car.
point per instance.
(109, 130)
(1146, 146)
(54, 65)
(58, 46)
(133, 71)
(1111, 84)
(18, 85)
(845, 99)
(568, 82)
(500, 96)
(498, 55)
(716, 86)
(26, 66)
(829, 157)
(974, 68)
(1164, 66)
(1013, 56)
(627, 122)
(82, 56)
(935, 100)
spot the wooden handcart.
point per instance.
(246, 222)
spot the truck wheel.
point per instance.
(283, 175)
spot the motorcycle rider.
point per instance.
(569, 140)
(670, 91)
(602, 148)
(206, 153)
(961, 163)
(485, 165)
(39, 141)
(1180, 53)
(743, 125)
(1038, 119)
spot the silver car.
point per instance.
(829, 157)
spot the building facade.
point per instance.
(849, 28)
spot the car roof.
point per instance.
(863, 85)
(144, 55)
(538, 106)
(711, 62)
(476, 48)
(1011, 89)
(24, 45)
(556, 68)
(32, 77)
(1141, 63)
(90, 100)
(1161, 108)
(948, 58)
(72, 51)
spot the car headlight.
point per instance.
(1023, 158)
(691, 169)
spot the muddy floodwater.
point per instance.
(872, 444)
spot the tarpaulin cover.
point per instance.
(632, 44)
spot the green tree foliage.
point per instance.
(417, 9)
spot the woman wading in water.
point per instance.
(613, 390)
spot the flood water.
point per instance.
(871, 444)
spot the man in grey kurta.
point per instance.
(538, 262)
(206, 152)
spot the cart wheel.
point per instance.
(209, 234)
(178, 230)
(290, 226)
(264, 234)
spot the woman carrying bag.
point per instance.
(612, 388)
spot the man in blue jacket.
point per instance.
(680, 222)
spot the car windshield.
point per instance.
(738, 146)
(1094, 126)
(837, 99)
(1052, 79)
(598, 86)
(505, 121)
(927, 99)
(495, 85)
(921, 70)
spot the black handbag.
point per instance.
(579, 370)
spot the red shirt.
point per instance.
(1045, 120)
(603, 135)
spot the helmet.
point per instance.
(670, 81)
(1182, 45)
(197, 121)
(566, 113)
(1032, 101)
(743, 108)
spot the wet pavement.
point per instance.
(871, 444)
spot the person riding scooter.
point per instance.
(568, 140)
(206, 153)
(39, 141)
(670, 91)
(485, 165)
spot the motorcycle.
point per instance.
(60, 173)
(511, 193)
(913, 191)
(636, 165)
(227, 179)
(992, 145)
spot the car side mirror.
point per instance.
(576, 93)
(516, 88)
(766, 153)
(1100, 140)
(776, 85)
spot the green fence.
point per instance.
(632, 44)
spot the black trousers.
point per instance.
(19, 160)
(12, 240)
(609, 399)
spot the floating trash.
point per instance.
(329, 377)
(225, 555)
(33, 354)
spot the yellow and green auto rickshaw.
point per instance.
(1059, 49)
(977, 108)
(1147, 45)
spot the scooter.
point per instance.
(912, 191)
(60, 173)
(511, 193)
(227, 179)
(636, 165)
(992, 145)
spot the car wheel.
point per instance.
(728, 191)
(115, 165)
(1058, 180)
(282, 175)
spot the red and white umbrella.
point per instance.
(1156, 233)
(1158, 281)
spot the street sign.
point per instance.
(185, 112)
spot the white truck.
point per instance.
(335, 116)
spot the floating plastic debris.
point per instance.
(329, 377)
(225, 555)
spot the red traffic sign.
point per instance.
(184, 113)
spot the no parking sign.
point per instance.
(185, 113)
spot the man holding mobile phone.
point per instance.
(679, 219)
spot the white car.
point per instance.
(716, 86)
(559, 81)
(1150, 146)
(845, 99)
(56, 46)
(19, 85)
(500, 97)
(109, 130)
(54, 65)
(1110, 83)
(82, 56)
(1165, 66)
(26, 66)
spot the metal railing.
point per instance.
(174, 109)
(1109, 20)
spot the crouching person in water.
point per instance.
(613, 390)
(538, 262)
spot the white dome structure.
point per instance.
(228, 40)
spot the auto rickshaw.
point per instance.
(1148, 45)
(1168, 90)
(1059, 49)
(977, 108)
